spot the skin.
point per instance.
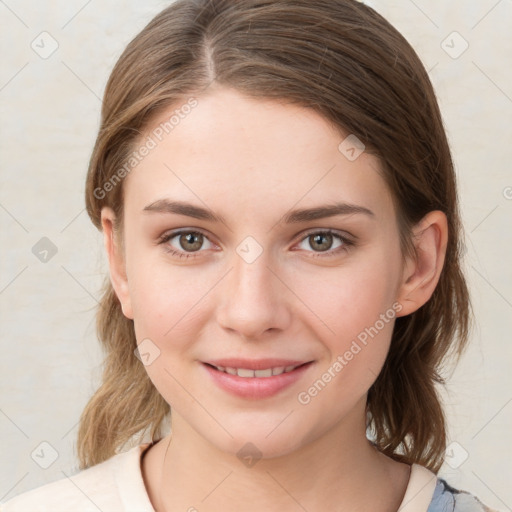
(252, 161)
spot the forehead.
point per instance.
(243, 156)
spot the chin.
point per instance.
(252, 444)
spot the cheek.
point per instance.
(163, 301)
(350, 299)
(359, 312)
(357, 309)
(167, 304)
(167, 299)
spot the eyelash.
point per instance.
(347, 243)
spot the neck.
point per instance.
(331, 472)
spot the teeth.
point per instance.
(263, 373)
(245, 372)
(242, 372)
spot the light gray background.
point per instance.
(50, 114)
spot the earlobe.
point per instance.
(421, 274)
(116, 261)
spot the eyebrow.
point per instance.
(295, 216)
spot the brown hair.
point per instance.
(342, 59)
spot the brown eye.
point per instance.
(325, 242)
(191, 241)
(184, 243)
(321, 241)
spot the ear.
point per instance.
(421, 274)
(116, 261)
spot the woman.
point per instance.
(280, 215)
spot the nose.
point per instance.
(253, 299)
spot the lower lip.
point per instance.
(256, 387)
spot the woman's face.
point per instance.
(266, 282)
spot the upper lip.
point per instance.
(254, 364)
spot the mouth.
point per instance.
(261, 373)
(255, 379)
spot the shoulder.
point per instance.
(449, 499)
(87, 490)
(95, 488)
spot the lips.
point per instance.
(260, 368)
(255, 378)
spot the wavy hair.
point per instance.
(345, 61)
